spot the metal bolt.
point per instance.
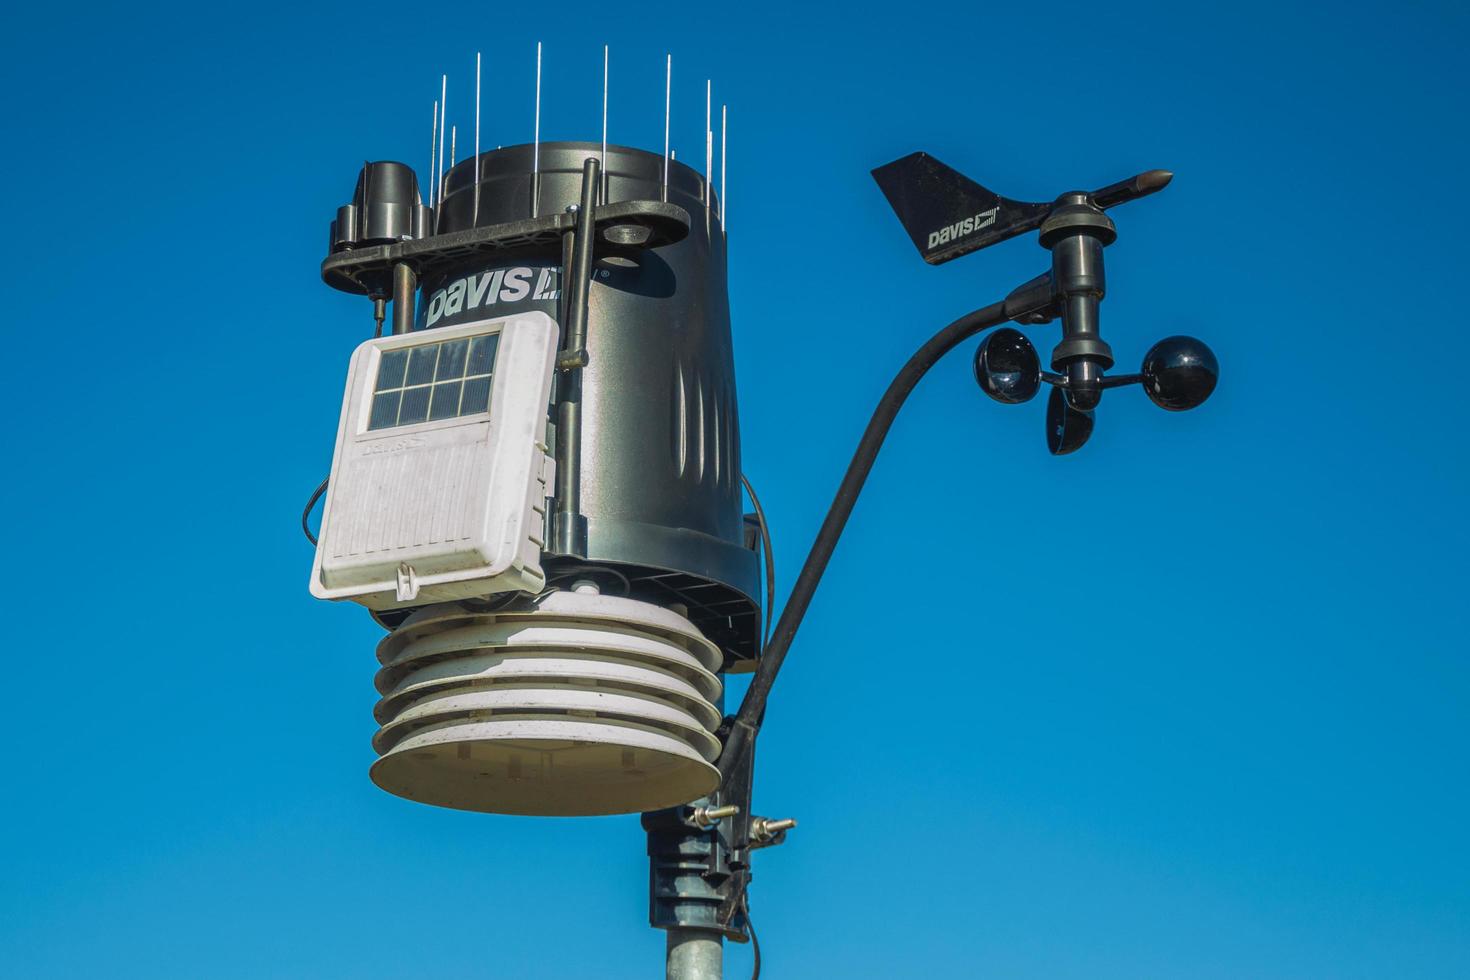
(765, 832)
(572, 359)
(708, 816)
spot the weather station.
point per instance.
(537, 489)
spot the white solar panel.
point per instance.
(433, 381)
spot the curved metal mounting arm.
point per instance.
(747, 721)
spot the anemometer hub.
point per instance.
(1074, 214)
(1076, 231)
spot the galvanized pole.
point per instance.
(695, 954)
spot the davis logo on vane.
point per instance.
(959, 229)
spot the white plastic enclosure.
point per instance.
(432, 497)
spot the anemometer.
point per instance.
(948, 215)
(537, 488)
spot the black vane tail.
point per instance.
(946, 213)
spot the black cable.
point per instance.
(755, 943)
(305, 528)
(767, 549)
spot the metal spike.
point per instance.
(476, 219)
(668, 89)
(536, 149)
(724, 205)
(443, 115)
(433, 155)
(604, 124)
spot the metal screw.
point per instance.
(765, 832)
(708, 816)
(572, 359)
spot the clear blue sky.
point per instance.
(1230, 740)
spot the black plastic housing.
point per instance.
(659, 483)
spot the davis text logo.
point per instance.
(959, 229)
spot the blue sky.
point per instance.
(1225, 738)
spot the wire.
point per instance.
(317, 495)
(770, 561)
(755, 943)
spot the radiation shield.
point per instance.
(574, 704)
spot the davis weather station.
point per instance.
(536, 488)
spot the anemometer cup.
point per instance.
(1067, 428)
(1179, 373)
(1007, 367)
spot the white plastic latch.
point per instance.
(408, 582)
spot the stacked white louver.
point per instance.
(573, 703)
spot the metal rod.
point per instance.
(476, 219)
(694, 954)
(453, 133)
(433, 155)
(403, 287)
(668, 90)
(443, 115)
(568, 252)
(604, 124)
(752, 709)
(724, 221)
(536, 147)
(569, 527)
(581, 271)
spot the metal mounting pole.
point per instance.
(694, 954)
(403, 287)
